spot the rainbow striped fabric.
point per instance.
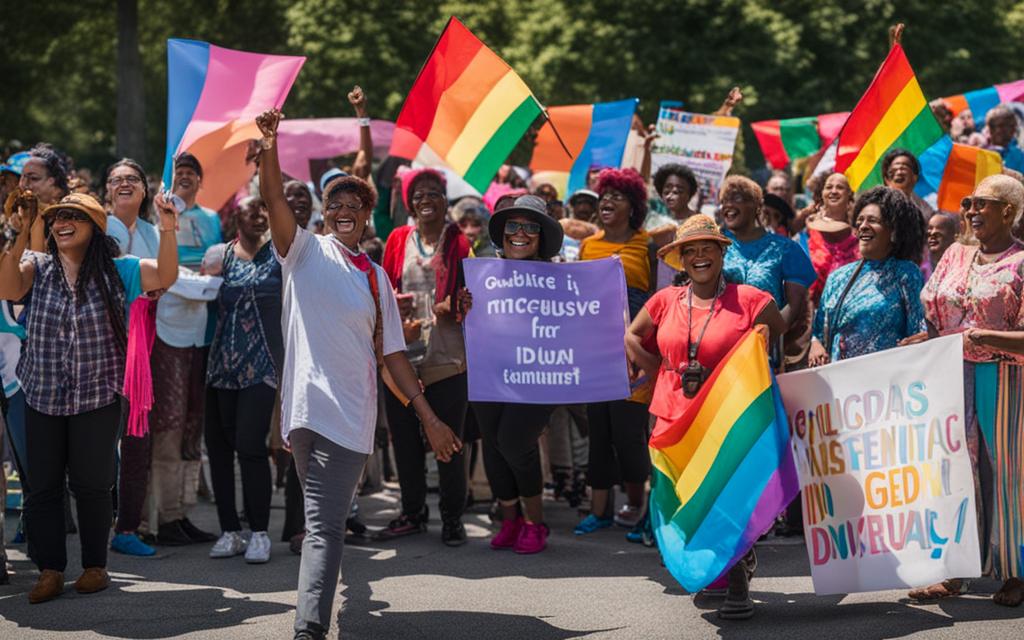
(953, 170)
(595, 134)
(724, 471)
(466, 110)
(892, 113)
(980, 101)
(783, 141)
(213, 97)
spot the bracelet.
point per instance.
(418, 394)
(267, 142)
(363, 122)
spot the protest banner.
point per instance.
(704, 143)
(887, 488)
(544, 333)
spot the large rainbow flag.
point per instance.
(892, 113)
(466, 110)
(724, 471)
(595, 134)
(783, 141)
(981, 100)
(953, 170)
(213, 98)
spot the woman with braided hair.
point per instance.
(72, 370)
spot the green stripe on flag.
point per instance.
(799, 137)
(663, 494)
(496, 151)
(923, 132)
(737, 444)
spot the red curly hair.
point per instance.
(630, 184)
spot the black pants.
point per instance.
(83, 448)
(237, 422)
(618, 434)
(448, 399)
(511, 453)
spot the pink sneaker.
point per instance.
(533, 538)
(509, 534)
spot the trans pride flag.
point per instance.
(724, 470)
(595, 134)
(213, 98)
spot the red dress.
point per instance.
(828, 256)
(734, 314)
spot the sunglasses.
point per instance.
(977, 204)
(65, 215)
(529, 228)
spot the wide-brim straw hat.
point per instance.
(534, 208)
(696, 227)
(81, 202)
(824, 224)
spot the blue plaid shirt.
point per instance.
(71, 363)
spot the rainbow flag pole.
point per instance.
(723, 471)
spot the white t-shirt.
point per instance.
(329, 381)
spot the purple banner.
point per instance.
(546, 333)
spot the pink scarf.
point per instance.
(138, 378)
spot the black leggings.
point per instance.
(618, 433)
(238, 421)
(83, 447)
(511, 453)
(448, 399)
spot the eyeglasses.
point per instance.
(117, 181)
(529, 228)
(65, 215)
(335, 207)
(614, 197)
(971, 203)
(736, 198)
(420, 196)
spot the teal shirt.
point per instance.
(131, 276)
(198, 230)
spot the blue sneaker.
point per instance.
(590, 524)
(130, 545)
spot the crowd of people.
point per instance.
(327, 331)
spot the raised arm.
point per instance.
(15, 277)
(161, 273)
(282, 222)
(364, 159)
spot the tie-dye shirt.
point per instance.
(882, 307)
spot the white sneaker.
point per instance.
(229, 545)
(258, 550)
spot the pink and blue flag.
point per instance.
(213, 97)
(980, 101)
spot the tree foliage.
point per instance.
(791, 57)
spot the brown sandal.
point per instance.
(946, 589)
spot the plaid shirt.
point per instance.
(71, 363)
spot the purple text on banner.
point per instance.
(546, 333)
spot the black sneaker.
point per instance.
(170, 534)
(453, 533)
(404, 525)
(313, 632)
(196, 534)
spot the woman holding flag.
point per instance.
(680, 337)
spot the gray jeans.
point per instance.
(329, 474)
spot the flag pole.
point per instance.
(557, 135)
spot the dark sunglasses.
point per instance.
(64, 215)
(529, 228)
(971, 203)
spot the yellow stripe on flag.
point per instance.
(901, 113)
(493, 111)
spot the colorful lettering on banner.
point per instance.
(704, 143)
(880, 447)
(545, 333)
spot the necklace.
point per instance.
(419, 246)
(693, 347)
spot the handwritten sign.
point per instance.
(704, 143)
(886, 480)
(546, 333)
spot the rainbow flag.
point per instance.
(892, 113)
(724, 470)
(783, 141)
(595, 134)
(980, 101)
(953, 170)
(466, 110)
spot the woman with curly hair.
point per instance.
(618, 429)
(874, 303)
(676, 184)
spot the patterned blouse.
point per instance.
(882, 307)
(768, 263)
(963, 293)
(248, 346)
(71, 363)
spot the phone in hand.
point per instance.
(174, 200)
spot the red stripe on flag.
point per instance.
(769, 138)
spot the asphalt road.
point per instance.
(598, 586)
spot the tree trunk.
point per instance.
(131, 99)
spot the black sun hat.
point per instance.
(534, 208)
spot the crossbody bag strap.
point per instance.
(834, 312)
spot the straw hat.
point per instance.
(824, 224)
(81, 202)
(696, 227)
